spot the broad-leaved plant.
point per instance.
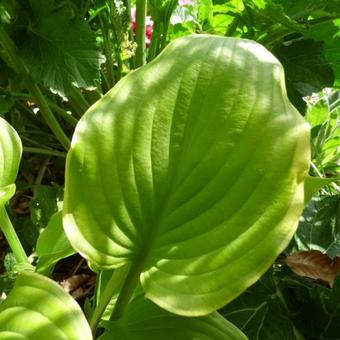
(184, 182)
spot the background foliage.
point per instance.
(58, 57)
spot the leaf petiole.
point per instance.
(20, 68)
(140, 36)
(111, 288)
(11, 237)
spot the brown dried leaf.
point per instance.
(315, 265)
(79, 286)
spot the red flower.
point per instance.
(148, 27)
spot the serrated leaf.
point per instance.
(315, 265)
(144, 320)
(52, 244)
(197, 181)
(38, 307)
(60, 48)
(10, 155)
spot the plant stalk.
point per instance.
(11, 237)
(79, 100)
(69, 118)
(86, 8)
(126, 293)
(279, 294)
(140, 36)
(11, 50)
(164, 36)
(115, 24)
(232, 27)
(155, 40)
(107, 47)
(42, 151)
(20, 68)
(105, 83)
(127, 4)
(280, 33)
(48, 115)
(111, 288)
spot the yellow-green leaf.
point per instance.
(190, 170)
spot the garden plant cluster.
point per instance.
(170, 169)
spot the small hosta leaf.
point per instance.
(315, 265)
(52, 244)
(38, 308)
(10, 155)
(191, 169)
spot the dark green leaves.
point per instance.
(260, 312)
(284, 306)
(314, 308)
(329, 33)
(319, 227)
(59, 48)
(306, 72)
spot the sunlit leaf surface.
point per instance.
(191, 169)
(38, 308)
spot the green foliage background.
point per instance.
(59, 57)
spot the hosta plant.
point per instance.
(183, 183)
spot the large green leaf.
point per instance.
(10, 155)
(38, 308)
(191, 170)
(144, 320)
